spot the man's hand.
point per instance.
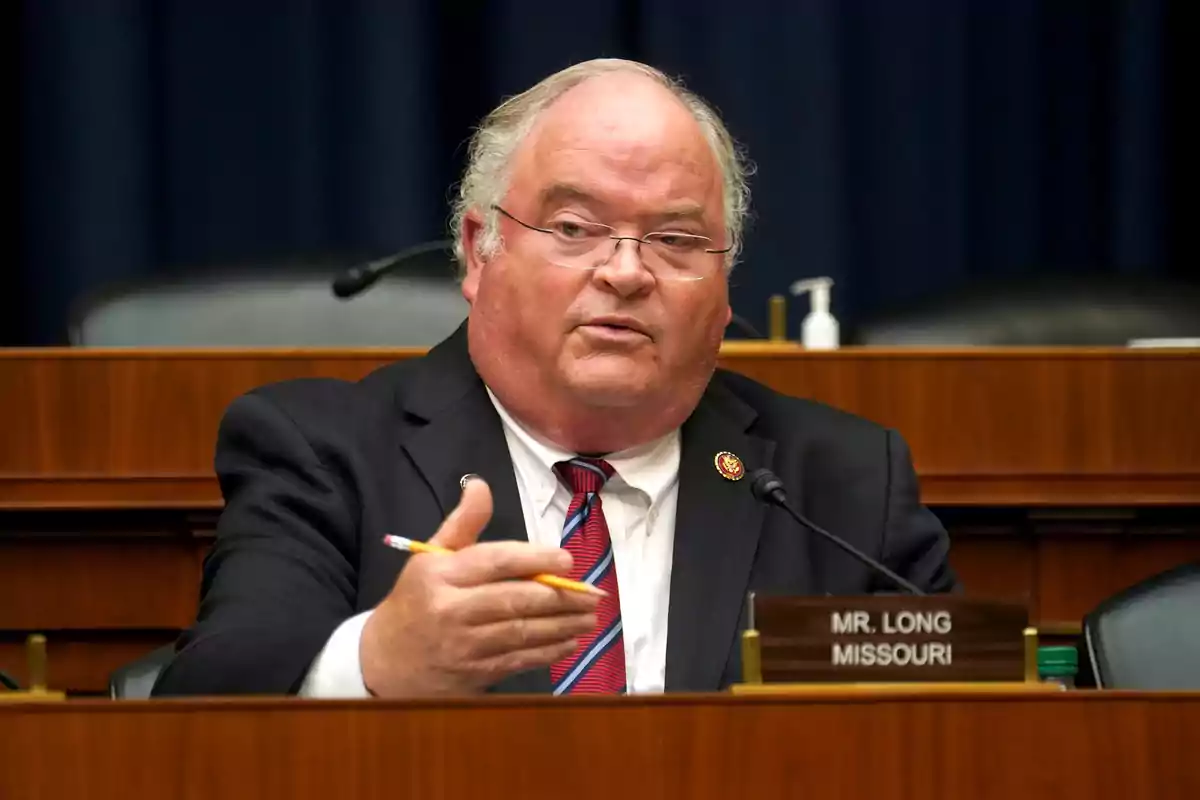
(456, 624)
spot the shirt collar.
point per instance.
(651, 469)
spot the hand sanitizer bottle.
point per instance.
(819, 331)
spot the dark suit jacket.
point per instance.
(315, 471)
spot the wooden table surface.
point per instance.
(1063, 746)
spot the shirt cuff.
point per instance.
(337, 671)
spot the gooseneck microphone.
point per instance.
(767, 488)
(357, 280)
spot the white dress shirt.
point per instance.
(639, 503)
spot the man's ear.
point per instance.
(472, 233)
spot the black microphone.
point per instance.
(767, 488)
(357, 280)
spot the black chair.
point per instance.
(135, 680)
(1080, 311)
(1147, 636)
(284, 303)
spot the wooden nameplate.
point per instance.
(883, 641)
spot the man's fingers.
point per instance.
(496, 602)
(468, 519)
(514, 635)
(499, 561)
(521, 660)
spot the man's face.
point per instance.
(619, 151)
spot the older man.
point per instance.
(598, 217)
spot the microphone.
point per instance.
(357, 280)
(767, 488)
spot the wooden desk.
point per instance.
(1065, 746)
(1063, 475)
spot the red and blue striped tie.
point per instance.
(598, 665)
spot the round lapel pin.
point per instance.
(729, 466)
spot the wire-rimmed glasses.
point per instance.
(668, 255)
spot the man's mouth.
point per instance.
(619, 325)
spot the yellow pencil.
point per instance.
(413, 546)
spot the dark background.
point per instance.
(902, 146)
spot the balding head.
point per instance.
(504, 130)
(630, 134)
(596, 276)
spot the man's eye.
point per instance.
(680, 242)
(569, 230)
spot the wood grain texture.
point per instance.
(1020, 427)
(97, 582)
(981, 641)
(135, 428)
(80, 661)
(1069, 745)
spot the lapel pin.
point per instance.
(729, 466)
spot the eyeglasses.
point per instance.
(575, 244)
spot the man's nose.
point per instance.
(626, 271)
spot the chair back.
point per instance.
(1148, 636)
(280, 304)
(135, 680)
(1081, 311)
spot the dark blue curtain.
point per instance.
(902, 147)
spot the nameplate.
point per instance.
(892, 638)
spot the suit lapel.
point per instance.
(717, 526)
(463, 434)
(467, 437)
(717, 521)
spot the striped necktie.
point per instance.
(598, 665)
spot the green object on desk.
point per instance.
(1058, 663)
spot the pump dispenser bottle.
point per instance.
(819, 331)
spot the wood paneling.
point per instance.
(80, 661)
(997, 566)
(985, 747)
(989, 427)
(1074, 575)
(1023, 427)
(1063, 576)
(55, 582)
(132, 428)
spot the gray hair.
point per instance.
(490, 151)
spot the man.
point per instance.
(598, 216)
